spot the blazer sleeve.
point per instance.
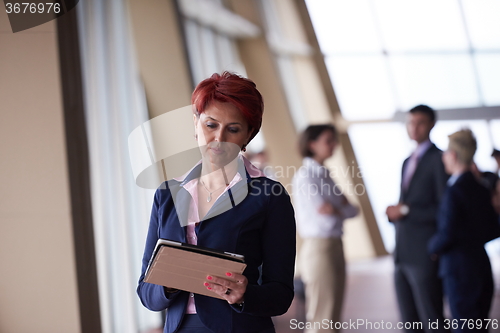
(448, 233)
(153, 296)
(347, 211)
(307, 205)
(274, 296)
(436, 187)
(441, 179)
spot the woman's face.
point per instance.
(323, 147)
(222, 131)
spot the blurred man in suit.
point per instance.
(418, 287)
(466, 221)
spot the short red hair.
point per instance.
(234, 89)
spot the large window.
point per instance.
(386, 56)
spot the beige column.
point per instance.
(38, 284)
(161, 56)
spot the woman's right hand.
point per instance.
(327, 209)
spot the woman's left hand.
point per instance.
(232, 289)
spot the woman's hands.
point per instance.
(232, 289)
(328, 209)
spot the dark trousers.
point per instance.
(471, 301)
(420, 298)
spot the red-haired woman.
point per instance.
(231, 206)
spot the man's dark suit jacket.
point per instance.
(466, 222)
(261, 227)
(422, 197)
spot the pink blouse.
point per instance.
(194, 218)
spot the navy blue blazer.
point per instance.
(466, 221)
(260, 226)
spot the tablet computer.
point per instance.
(185, 267)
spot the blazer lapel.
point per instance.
(182, 200)
(420, 166)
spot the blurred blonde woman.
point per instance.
(466, 221)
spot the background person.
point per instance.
(496, 155)
(466, 222)
(496, 195)
(418, 287)
(260, 225)
(486, 178)
(496, 198)
(321, 210)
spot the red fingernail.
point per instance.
(229, 274)
(209, 277)
(206, 284)
(209, 288)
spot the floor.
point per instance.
(370, 299)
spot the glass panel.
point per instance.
(483, 22)
(381, 150)
(441, 81)
(224, 53)
(344, 26)
(208, 51)
(418, 25)
(362, 86)
(292, 92)
(488, 68)
(481, 130)
(194, 50)
(228, 56)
